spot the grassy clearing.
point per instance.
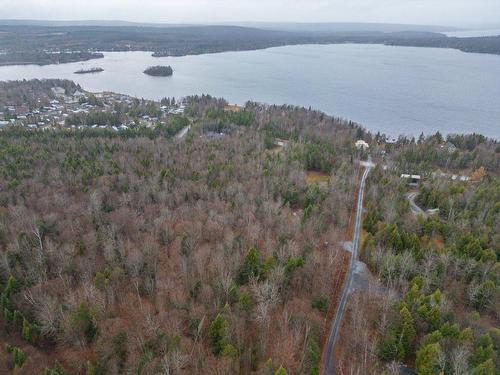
(313, 177)
(275, 149)
(438, 242)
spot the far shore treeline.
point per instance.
(42, 45)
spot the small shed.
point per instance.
(413, 179)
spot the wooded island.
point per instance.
(88, 71)
(159, 71)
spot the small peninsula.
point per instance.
(89, 71)
(159, 71)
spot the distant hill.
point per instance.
(326, 27)
(348, 27)
(102, 23)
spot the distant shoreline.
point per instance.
(48, 59)
(155, 54)
(64, 44)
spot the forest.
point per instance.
(133, 252)
(223, 252)
(435, 305)
(32, 44)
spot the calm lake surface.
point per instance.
(396, 90)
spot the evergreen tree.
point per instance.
(408, 332)
(427, 362)
(218, 334)
(251, 267)
(485, 368)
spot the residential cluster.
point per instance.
(54, 114)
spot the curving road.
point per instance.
(183, 132)
(329, 368)
(413, 206)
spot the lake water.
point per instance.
(396, 90)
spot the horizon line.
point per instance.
(236, 23)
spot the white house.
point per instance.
(58, 90)
(391, 141)
(362, 145)
(281, 142)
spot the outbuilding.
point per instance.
(362, 145)
(413, 179)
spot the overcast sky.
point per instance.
(438, 12)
